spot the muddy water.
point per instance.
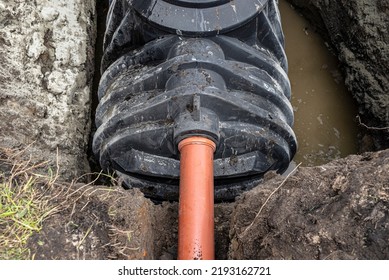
(324, 111)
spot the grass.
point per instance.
(32, 194)
(23, 202)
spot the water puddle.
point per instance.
(324, 110)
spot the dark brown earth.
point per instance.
(336, 211)
(98, 222)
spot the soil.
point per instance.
(99, 222)
(339, 210)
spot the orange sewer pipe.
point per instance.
(196, 210)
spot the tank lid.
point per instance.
(198, 17)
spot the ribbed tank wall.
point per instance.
(175, 69)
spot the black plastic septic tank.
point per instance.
(179, 68)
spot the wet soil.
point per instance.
(97, 223)
(335, 211)
(339, 210)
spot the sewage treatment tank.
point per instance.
(174, 69)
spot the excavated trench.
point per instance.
(294, 223)
(45, 105)
(325, 123)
